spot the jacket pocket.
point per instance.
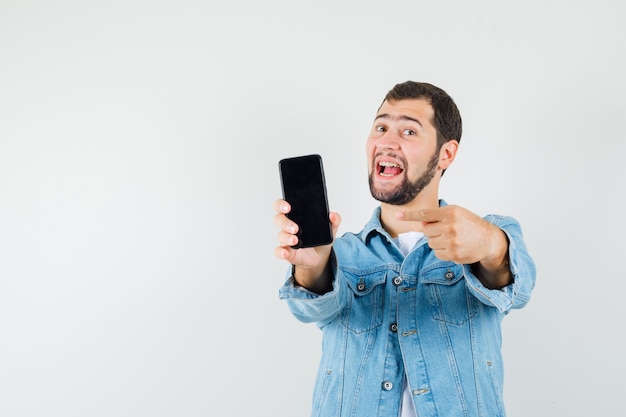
(450, 300)
(497, 404)
(320, 394)
(364, 311)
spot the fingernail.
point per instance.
(283, 208)
(292, 229)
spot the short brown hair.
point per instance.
(447, 117)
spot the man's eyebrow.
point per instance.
(402, 117)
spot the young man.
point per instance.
(410, 308)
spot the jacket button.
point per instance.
(449, 275)
(361, 286)
(387, 385)
(394, 327)
(397, 281)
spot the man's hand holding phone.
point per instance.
(312, 266)
(307, 227)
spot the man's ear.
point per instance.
(447, 153)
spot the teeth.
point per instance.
(383, 165)
(388, 164)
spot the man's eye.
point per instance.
(409, 132)
(380, 128)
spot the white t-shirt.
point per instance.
(406, 242)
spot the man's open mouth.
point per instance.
(388, 169)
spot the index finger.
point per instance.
(421, 215)
(281, 206)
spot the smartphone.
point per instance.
(304, 188)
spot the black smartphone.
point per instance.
(304, 188)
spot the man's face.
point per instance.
(402, 151)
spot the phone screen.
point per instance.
(304, 188)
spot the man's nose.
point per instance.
(388, 141)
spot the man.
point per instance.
(410, 308)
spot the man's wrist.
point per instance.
(318, 282)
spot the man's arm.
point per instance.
(494, 272)
(313, 280)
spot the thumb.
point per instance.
(335, 221)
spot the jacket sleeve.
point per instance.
(308, 306)
(516, 294)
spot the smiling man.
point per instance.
(410, 308)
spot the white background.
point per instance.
(139, 143)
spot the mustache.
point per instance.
(391, 155)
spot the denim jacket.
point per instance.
(391, 318)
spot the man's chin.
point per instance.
(393, 197)
(389, 191)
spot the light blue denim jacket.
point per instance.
(390, 316)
